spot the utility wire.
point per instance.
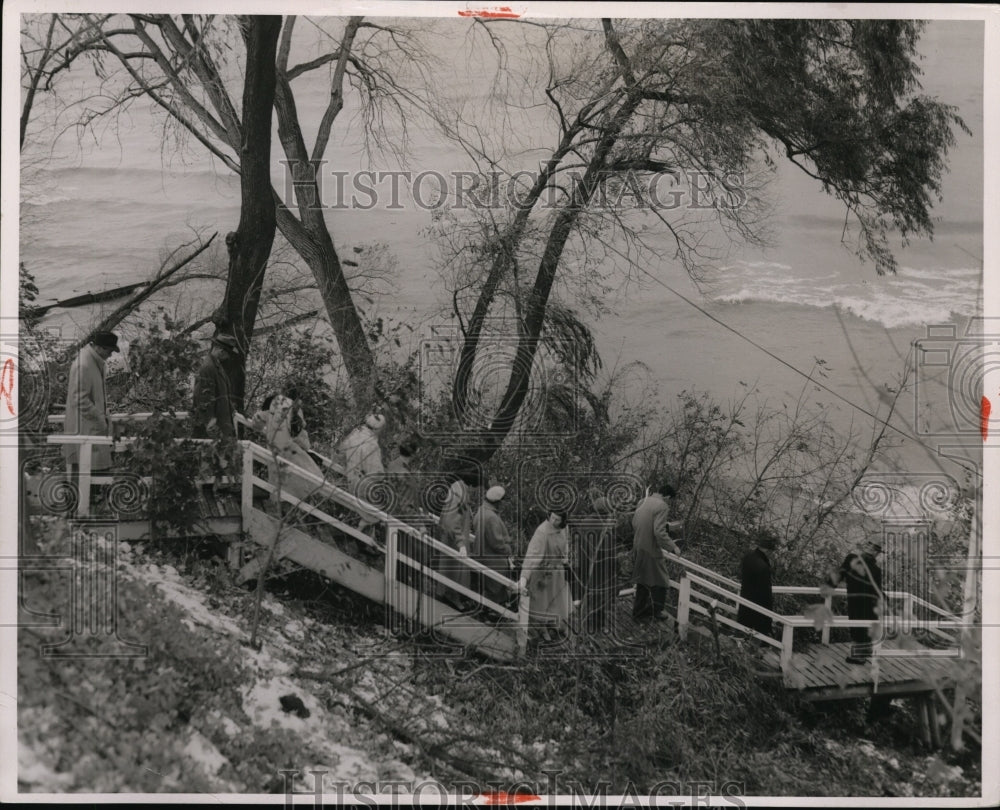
(798, 371)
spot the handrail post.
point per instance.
(825, 632)
(391, 557)
(786, 645)
(83, 482)
(523, 616)
(683, 606)
(246, 485)
(235, 555)
(909, 618)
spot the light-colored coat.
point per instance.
(544, 571)
(651, 539)
(276, 425)
(86, 407)
(455, 530)
(362, 455)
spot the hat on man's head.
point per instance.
(496, 494)
(106, 340)
(228, 342)
(375, 421)
(666, 490)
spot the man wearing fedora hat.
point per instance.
(86, 405)
(212, 416)
(861, 573)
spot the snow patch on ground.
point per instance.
(170, 586)
(261, 702)
(206, 755)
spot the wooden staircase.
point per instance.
(387, 563)
(401, 566)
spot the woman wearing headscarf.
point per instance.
(543, 574)
(455, 528)
(281, 422)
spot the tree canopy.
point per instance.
(709, 106)
(708, 103)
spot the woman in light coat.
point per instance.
(543, 574)
(281, 422)
(455, 529)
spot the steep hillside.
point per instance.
(330, 690)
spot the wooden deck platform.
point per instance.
(822, 672)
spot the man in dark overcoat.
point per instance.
(212, 415)
(863, 577)
(755, 584)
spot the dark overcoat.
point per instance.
(212, 399)
(863, 578)
(755, 585)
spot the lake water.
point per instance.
(98, 215)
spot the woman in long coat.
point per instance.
(281, 422)
(455, 530)
(543, 573)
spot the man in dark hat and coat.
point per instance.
(86, 405)
(863, 577)
(212, 416)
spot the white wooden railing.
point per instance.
(395, 529)
(85, 478)
(700, 590)
(395, 552)
(704, 592)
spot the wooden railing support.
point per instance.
(246, 485)
(234, 555)
(391, 561)
(523, 617)
(83, 481)
(787, 634)
(825, 632)
(683, 606)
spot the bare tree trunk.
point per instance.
(309, 234)
(250, 245)
(316, 247)
(534, 321)
(503, 260)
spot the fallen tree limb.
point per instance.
(432, 751)
(109, 322)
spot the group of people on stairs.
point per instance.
(472, 529)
